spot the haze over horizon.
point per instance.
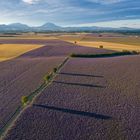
(102, 13)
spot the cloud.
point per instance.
(31, 1)
(106, 1)
(135, 23)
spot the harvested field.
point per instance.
(9, 51)
(126, 40)
(108, 37)
(109, 41)
(110, 46)
(89, 99)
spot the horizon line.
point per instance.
(134, 24)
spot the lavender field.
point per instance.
(21, 76)
(89, 99)
(69, 69)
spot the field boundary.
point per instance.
(106, 54)
(30, 97)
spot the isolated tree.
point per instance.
(47, 78)
(54, 70)
(24, 100)
(101, 46)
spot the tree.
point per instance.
(47, 78)
(24, 100)
(101, 46)
(55, 70)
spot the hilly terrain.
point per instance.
(52, 27)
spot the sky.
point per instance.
(104, 13)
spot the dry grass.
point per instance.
(108, 37)
(109, 42)
(108, 45)
(134, 40)
(9, 51)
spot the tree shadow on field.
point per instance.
(82, 75)
(75, 112)
(79, 84)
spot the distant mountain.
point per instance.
(52, 27)
(14, 27)
(126, 28)
(48, 27)
(18, 25)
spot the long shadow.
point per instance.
(75, 112)
(78, 84)
(75, 74)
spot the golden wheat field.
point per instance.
(9, 51)
(109, 45)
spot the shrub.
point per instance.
(135, 52)
(72, 55)
(47, 78)
(55, 70)
(125, 51)
(24, 100)
(101, 46)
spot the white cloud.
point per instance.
(31, 1)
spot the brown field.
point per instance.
(89, 99)
(9, 51)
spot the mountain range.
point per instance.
(52, 27)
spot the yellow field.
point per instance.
(112, 43)
(108, 45)
(9, 51)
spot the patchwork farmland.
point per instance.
(111, 42)
(90, 98)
